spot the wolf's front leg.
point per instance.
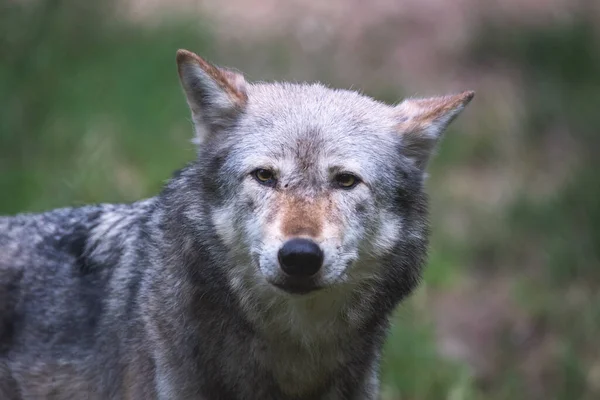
(175, 380)
(168, 385)
(370, 388)
(174, 347)
(346, 388)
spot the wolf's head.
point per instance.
(313, 188)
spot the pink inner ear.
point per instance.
(422, 121)
(236, 82)
(230, 82)
(431, 110)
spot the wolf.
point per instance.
(267, 268)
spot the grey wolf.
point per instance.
(267, 268)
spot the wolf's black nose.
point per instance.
(300, 258)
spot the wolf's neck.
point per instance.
(308, 339)
(318, 317)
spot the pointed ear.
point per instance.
(216, 96)
(422, 122)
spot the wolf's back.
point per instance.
(60, 273)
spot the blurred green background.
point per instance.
(91, 111)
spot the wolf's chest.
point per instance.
(300, 368)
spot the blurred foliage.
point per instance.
(560, 65)
(91, 111)
(91, 106)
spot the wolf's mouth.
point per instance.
(298, 288)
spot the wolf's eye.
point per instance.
(264, 176)
(346, 181)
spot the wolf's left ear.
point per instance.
(216, 96)
(422, 122)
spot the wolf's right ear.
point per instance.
(216, 96)
(423, 121)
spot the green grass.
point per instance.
(412, 368)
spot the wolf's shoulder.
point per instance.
(64, 256)
(33, 238)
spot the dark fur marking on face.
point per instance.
(250, 204)
(308, 148)
(360, 208)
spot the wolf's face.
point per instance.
(314, 186)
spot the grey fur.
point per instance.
(171, 297)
